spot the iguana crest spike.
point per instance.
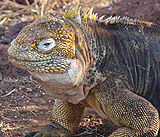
(84, 14)
(90, 13)
(75, 11)
(101, 19)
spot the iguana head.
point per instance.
(46, 48)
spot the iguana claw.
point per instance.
(31, 134)
(51, 130)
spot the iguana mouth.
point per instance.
(56, 65)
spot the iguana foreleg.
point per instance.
(67, 114)
(65, 119)
(134, 115)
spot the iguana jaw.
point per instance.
(72, 77)
(66, 86)
(56, 65)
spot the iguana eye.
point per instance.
(47, 44)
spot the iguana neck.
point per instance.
(90, 49)
(89, 41)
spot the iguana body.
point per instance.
(110, 65)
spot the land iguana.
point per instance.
(111, 65)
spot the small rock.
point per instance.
(29, 89)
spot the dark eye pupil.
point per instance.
(47, 44)
(24, 46)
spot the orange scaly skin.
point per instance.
(111, 65)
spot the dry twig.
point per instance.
(9, 93)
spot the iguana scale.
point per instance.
(111, 65)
